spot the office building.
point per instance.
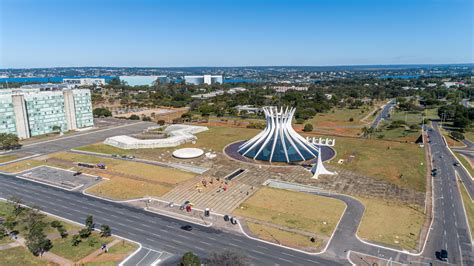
(205, 79)
(144, 80)
(84, 81)
(32, 112)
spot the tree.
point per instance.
(228, 258)
(89, 222)
(36, 240)
(146, 118)
(101, 112)
(190, 259)
(457, 135)
(76, 240)
(85, 233)
(367, 131)
(308, 127)
(8, 141)
(134, 117)
(105, 231)
(161, 122)
(56, 129)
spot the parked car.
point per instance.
(456, 164)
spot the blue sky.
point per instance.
(160, 33)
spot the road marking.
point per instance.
(205, 243)
(138, 263)
(284, 259)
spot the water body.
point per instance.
(47, 79)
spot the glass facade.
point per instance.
(83, 108)
(45, 111)
(7, 116)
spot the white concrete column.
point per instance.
(21, 117)
(69, 110)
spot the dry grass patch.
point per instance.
(283, 237)
(468, 206)
(20, 166)
(302, 211)
(127, 179)
(402, 164)
(216, 138)
(7, 158)
(124, 188)
(391, 223)
(340, 117)
(127, 168)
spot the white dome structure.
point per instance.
(188, 153)
(279, 142)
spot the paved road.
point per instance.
(450, 230)
(383, 114)
(155, 232)
(80, 139)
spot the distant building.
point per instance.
(283, 89)
(144, 80)
(217, 92)
(328, 96)
(44, 87)
(249, 109)
(84, 81)
(205, 79)
(453, 84)
(29, 112)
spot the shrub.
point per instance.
(308, 127)
(456, 135)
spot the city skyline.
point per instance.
(247, 33)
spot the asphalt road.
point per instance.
(83, 138)
(383, 114)
(153, 231)
(450, 230)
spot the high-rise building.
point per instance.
(29, 112)
(205, 79)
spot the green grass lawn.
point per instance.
(21, 256)
(391, 223)
(64, 248)
(468, 206)
(5, 210)
(383, 160)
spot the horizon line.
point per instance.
(241, 66)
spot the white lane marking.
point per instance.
(149, 250)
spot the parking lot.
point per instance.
(69, 180)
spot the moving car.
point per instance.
(187, 227)
(442, 255)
